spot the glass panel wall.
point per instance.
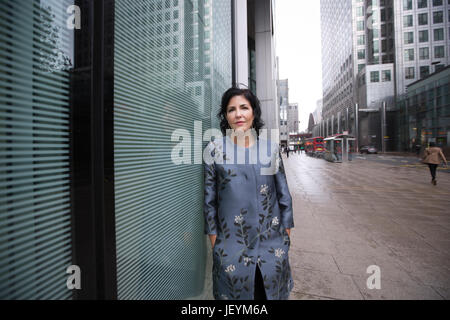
(36, 58)
(172, 64)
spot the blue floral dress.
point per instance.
(248, 206)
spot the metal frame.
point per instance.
(92, 148)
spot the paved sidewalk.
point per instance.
(350, 216)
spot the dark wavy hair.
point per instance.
(258, 123)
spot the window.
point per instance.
(361, 40)
(361, 66)
(437, 3)
(386, 75)
(409, 73)
(361, 54)
(423, 36)
(424, 53)
(409, 37)
(374, 76)
(376, 47)
(360, 12)
(439, 52)
(438, 34)
(175, 14)
(438, 17)
(423, 19)
(376, 33)
(408, 21)
(360, 26)
(424, 71)
(409, 54)
(384, 30)
(439, 67)
(422, 4)
(383, 15)
(407, 4)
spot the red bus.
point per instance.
(314, 146)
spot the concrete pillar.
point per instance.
(339, 122)
(265, 63)
(332, 124)
(241, 42)
(357, 126)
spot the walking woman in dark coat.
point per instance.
(248, 213)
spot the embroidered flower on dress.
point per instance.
(279, 253)
(247, 260)
(218, 152)
(275, 221)
(264, 189)
(239, 219)
(230, 268)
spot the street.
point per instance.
(374, 211)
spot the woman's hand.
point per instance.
(288, 232)
(212, 238)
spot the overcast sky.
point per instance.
(298, 46)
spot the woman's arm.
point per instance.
(442, 156)
(210, 202)
(283, 195)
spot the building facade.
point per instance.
(283, 92)
(392, 44)
(424, 113)
(292, 117)
(95, 97)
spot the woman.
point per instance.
(433, 157)
(248, 214)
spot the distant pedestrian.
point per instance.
(433, 157)
(287, 151)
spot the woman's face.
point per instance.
(240, 113)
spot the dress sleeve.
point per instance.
(442, 156)
(210, 197)
(283, 194)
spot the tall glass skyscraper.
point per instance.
(372, 50)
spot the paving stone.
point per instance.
(313, 260)
(352, 215)
(390, 268)
(325, 284)
(392, 290)
(443, 292)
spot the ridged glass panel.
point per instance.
(172, 62)
(36, 53)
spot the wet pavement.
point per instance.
(369, 212)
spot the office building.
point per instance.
(382, 47)
(87, 123)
